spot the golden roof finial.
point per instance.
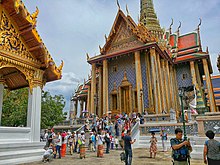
(127, 10)
(106, 38)
(87, 56)
(119, 8)
(61, 66)
(100, 48)
(33, 17)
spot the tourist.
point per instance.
(163, 136)
(181, 148)
(116, 128)
(116, 142)
(112, 139)
(48, 154)
(127, 147)
(100, 140)
(58, 143)
(211, 149)
(107, 141)
(153, 145)
(64, 142)
(71, 143)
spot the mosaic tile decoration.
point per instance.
(180, 70)
(144, 81)
(122, 63)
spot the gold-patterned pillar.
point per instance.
(139, 81)
(105, 87)
(88, 105)
(193, 73)
(177, 94)
(164, 84)
(168, 94)
(154, 80)
(100, 92)
(149, 84)
(93, 88)
(172, 89)
(2, 81)
(209, 86)
(160, 86)
(198, 77)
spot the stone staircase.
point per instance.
(20, 152)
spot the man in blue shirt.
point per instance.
(127, 147)
(180, 148)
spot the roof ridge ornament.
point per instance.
(119, 8)
(128, 14)
(170, 29)
(200, 23)
(178, 29)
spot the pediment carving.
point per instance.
(11, 41)
(124, 39)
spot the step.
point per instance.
(4, 155)
(21, 146)
(21, 160)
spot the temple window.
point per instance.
(115, 68)
(184, 76)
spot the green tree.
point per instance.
(52, 109)
(14, 110)
(15, 104)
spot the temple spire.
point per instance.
(149, 18)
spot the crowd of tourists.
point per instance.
(108, 131)
(115, 133)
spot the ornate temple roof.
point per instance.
(20, 25)
(126, 37)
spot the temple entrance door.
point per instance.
(125, 99)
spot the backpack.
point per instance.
(122, 156)
(107, 140)
(181, 154)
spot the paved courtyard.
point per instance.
(140, 156)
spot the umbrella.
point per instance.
(154, 130)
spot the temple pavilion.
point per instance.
(24, 62)
(142, 67)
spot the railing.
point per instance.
(157, 118)
(135, 130)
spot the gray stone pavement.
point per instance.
(140, 157)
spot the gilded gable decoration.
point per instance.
(10, 40)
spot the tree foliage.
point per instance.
(15, 104)
(14, 110)
(51, 109)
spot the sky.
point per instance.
(72, 28)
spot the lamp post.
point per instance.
(181, 94)
(142, 99)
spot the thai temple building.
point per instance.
(24, 62)
(142, 67)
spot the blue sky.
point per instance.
(72, 28)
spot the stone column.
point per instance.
(160, 86)
(209, 86)
(34, 113)
(1, 96)
(149, 84)
(93, 88)
(139, 86)
(105, 87)
(154, 80)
